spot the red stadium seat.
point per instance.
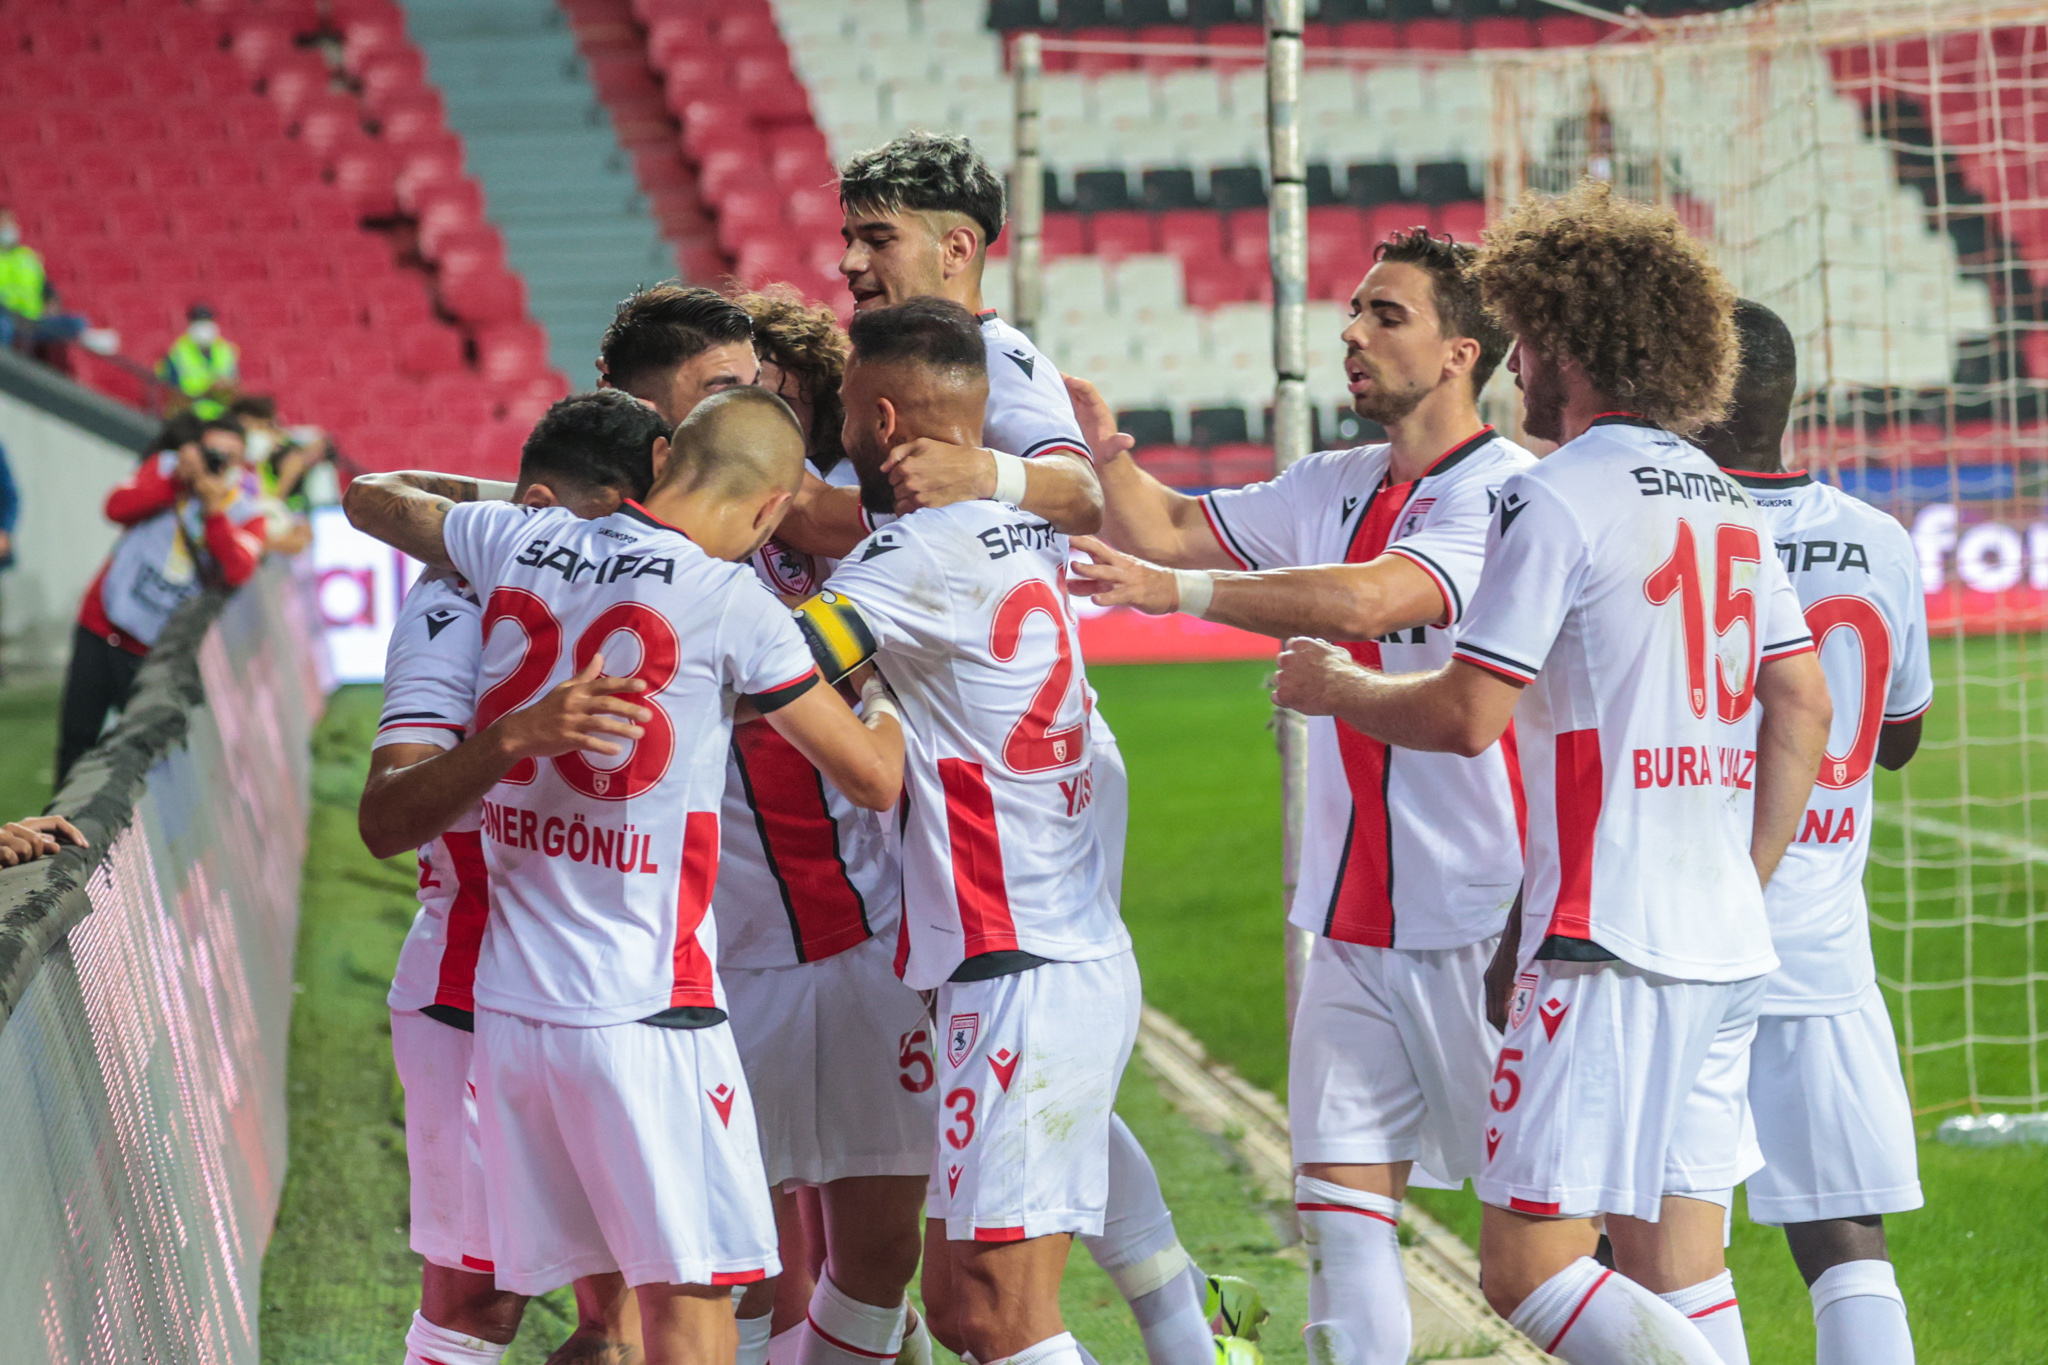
(161, 82)
(29, 174)
(1247, 236)
(395, 299)
(1117, 235)
(511, 352)
(1177, 35)
(365, 38)
(99, 79)
(230, 262)
(1194, 235)
(678, 35)
(364, 175)
(1335, 231)
(1095, 63)
(135, 217)
(427, 350)
(184, 33)
(131, 123)
(196, 124)
(1174, 466)
(709, 125)
(1384, 220)
(1502, 31)
(1572, 30)
(291, 260)
(32, 83)
(1369, 35)
(484, 295)
(1464, 220)
(102, 170)
(217, 77)
(1063, 235)
(1233, 465)
(295, 81)
(744, 26)
(68, 124)
(59, 40)
(198, 216)
(390, 75)
(320, 307)
(1235, 35)
(1434, 35)
(728, 170)
(260, 44)
(412, 119)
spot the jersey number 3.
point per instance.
(1033, 746)
(649, 758)
(1681, 575)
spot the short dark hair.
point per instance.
(181, 428)
(1766, 380)
(926, 173)
(1459, 310)
(933, 332)
(260, 406)
(603, 439)
(659, 326)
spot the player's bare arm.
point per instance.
(1059, 487)
(405, 510)
(1457, 709)
(1140, 514)
(1897, 742)
(1331, 602)
(823, 520)
(1791, 737)
(863, 757)
(416, 792)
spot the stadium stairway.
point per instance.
(559, 185)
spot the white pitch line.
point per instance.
(2022, 850)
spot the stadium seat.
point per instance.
(1116, 235)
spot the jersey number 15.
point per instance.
(1681, 575)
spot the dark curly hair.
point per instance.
(926, 173)
(805, 342)
(1620, 288)
(1459, 310)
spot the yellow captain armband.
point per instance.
(837, 633)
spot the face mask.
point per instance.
(10, 236)
(260, 445)
(205, 331)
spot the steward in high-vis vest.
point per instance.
(28, 305)
(202, 366)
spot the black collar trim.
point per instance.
(985, 315)
(1787, 478)
(1623, 419)
(1457, 454)
(640, 514)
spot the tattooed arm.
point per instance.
(405, 510)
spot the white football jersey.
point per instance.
(602, 867)
(1400, 849)
(803, 873)
(1028, 412)
(969, 608)
(1858, 578)
(1631, 585)
(429, 698)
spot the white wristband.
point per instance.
(1009, 478)
(877, 700)
(1196, 587)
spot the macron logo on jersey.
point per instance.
(880, 545)
(1023, 361)
(438, 621)
(1511, 507)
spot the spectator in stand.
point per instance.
(24, 841)
(10, 513)
(202, 367)
(193, 520)
(28, 314)
(280, 458)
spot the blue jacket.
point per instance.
(10, 507)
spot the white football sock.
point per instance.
(783, 1346)
(1171, 1322)
(427, 1344)
(1711, 1306)
(1859, 1316)
(1140, 1253)
(754, 1339)
(841, 1330)
(1357, 1292)
(917, 1342)
(1586, 1314)
(1055, 1350)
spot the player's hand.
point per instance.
(1310, 676)
(928, 473)
(23, 841)
(1116, 579)
(1500, 973)
(579, 714)
(1097, 421)
(191, 465)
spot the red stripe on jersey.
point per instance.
(801, 841)
(470, 1262)
(1709, 1312)
(1345, 1208)
(1015, 1234)
(977, 849)
(692, 980)
(1511, 753)
(738, 1276)
(1362, 901)
(466, 916)
(1580, 786)
(1531, 1206)
(1222, 536)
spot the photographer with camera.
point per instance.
(193, 520)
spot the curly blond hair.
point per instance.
(1620, 288)
(804, 341)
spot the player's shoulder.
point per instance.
(1485, 458)
(1001, 336)
(438, 591)
(1356, 465)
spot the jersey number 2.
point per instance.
(1681, 575)
(659, 652)
(1032, 745)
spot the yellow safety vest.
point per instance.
(195, 371)
(22, 282)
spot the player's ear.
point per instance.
(770, 513)
(659, 460)
(1460, 356)
(539, 495)
(959, 249)
(887, 422)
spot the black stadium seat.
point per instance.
(1147, 426)
(1322, 186)
(1217, 427)
(1444, 182)
(1237, 187)
(1170, 189)
(1371, 183)
(1205, 12)
(1084, 13)
(1101, 191)
(1138, 13)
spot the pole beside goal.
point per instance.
(1290, 426)
(1027, 189)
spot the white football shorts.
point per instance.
(1028, 1070)
(1832, 1117)
(449, 1226)
(1390, 1058)
(839, 1060)
(625, 1147)
(1615, 1087)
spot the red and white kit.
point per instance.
(429, 698)
(1410, 860)
(1001, 855)
(1630, 585)
(617, 1131)
(1832, 1114)
(838, 1051)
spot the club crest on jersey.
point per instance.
(960, 1035)
(1523, 998)
(721, 1100)
(1413, 521)
(790, 571)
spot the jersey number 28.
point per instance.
(650, 755)
(1681, 575)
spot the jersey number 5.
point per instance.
(1681, 575)
(1862, 619)
(649, 757)
(1032, 745)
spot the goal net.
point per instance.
(1877, 172)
